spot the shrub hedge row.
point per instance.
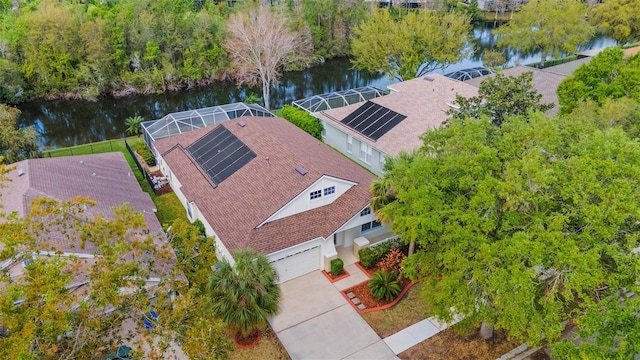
(145, 152)
(303, 120)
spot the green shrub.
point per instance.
(303, 120)
(371, 256)
(337, 266)
(200, 227)
(143, 150)
(384, 285)
(367, 258)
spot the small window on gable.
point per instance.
(349, 144)
(365, 212)
(315, 194)
(329, 190)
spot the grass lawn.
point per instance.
(168, 205)
(269, 347)
(411, 309)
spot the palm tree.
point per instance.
(134, 125)
(244, 295)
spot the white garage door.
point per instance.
(298, 264)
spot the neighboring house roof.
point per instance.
(631, 51)
(423, 102)
(545, 82)
(567, 68)
(236, 206)
(105, 178)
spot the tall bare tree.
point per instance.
(261, 44)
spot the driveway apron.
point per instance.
(316, 322)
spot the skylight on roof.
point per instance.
(220, 154)
(373, 120)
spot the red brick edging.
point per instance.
(345, 274)
(383, 307)
(362, 269)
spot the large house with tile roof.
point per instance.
(262, 183)
(369, 131)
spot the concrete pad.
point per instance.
(414, 334)
(443, 325)
(333, 335)
(377, 351)
(303, 298)
(356, 276)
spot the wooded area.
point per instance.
(84, 49)
(70, 49)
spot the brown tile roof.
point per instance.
(545, 82)
(423, 102)
(631, 51)
(105, 178)
(257, 190)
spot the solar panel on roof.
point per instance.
(220, 154)
(373, 120)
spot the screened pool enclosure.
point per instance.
(185, 121)
(338, 99)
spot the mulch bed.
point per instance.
(449, 345)
(369, 271)
(362, 292)
(333, 278)
(163, 190)
(248, 342)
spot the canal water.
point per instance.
(72, 122)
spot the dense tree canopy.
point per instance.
(81, 307)
(527, 224)
(550, 26)
(609, 75)
(16, 143)
(619, 19)
(500, 97)
(55, 307)
(412, 46)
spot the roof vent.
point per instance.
(22, 171)
(81, 162)
(429, 78)
(302, 171)
(242, 123)
(94, 174)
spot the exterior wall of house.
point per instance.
(191, 208)
(353, 229)
(329, 189)
(371, 158)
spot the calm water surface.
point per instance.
(73, 122)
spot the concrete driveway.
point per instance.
(316, 322)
